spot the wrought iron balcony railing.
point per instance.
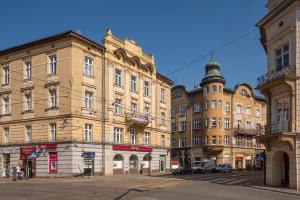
(284, 71)
(247, 132)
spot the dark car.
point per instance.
(224, 168)
(183, 170)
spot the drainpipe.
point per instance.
(103, 113)
(191, 127)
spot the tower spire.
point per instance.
(211, 56)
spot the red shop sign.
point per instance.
(132, 148)
(48, 146)
(26, 151)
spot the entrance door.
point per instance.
(6, 165)
(285, 170)
(88, 166)
(162, 163)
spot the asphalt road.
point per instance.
(207, 187)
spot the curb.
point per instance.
(274, 190)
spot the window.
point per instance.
(53, 98)
(162, 140)
(118, 107)
(173, 143)
(226, 140)
(197, 124)
(162, 95)
(239, 124)
(146, 139)
(239, 108)
(133, 136)
(133, 86)
(28, 101)
(258, 126)
(173, 112)
(147, 111)
(282, 57)
(52, 61)
(181, 142)
(5, 135)
(5, 105)
(133, 108)
(220, 122)
(118, 79)
(6, 75)
(206, 140)
(88, 99)
(53, 132)
(177, 94)
(28, 133)
(28, 70)
(207, 123)
(213, 122)
(214, 139)
(227, 123)
(239, 141)
(118, 135)
(206, 105)
(244, 92)
(182, 110)
(248, 111)
(249, 125)
(173, 127)
(220, 139)
(227, 106)
(88, 132)
(197, 107)
(197, 140)
(249, 142)
(214, 88)
(146, 88)
(220, 104)
(214, 104)
(220, 89)
(257, 112)
(88, 66)
(182, 126)
(163, 119)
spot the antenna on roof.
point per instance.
(211, 56)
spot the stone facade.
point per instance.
(214, 122)
(281, 87)
(58, 102)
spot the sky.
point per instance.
(177, 32)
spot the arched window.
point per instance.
(133, 161)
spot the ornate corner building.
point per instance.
(216, 123)
(72, 106)
(279, 36)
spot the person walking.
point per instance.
(18, 172)
(14, 174)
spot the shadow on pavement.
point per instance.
(128, 191)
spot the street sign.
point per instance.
(260, 158)
(33, 154)
(88, 155)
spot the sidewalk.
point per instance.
(279, 190)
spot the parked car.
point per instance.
(183, 170)
(223, 168)
(198, 169)
(205, 166)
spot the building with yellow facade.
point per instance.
(65, 108)
(216, 123)
(280, 85)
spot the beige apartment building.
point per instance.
(280, 38)
(59, 114)
(216, 123)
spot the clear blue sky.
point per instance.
(176, 31)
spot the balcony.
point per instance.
(265, 79)
(280, 127)
(246, 132)
(136, 119)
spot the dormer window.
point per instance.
(244, 92)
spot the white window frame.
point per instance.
(118, 107)
(53, 98)
(118, 77)
(5, 105)
(162, 95)
(133, 83)
(118, 135)
(52, 64)
(28, 70)
(88, 99)
(133, 136)
(182, 126)
(213, 122)
(28, 100)
(197, 124)
(146, 141)
(227, 106)
(133, 108)
(182, 110)
(227, 123)
(239, 108)
(5, 135)
(6, 75)
(28, 133)
(88, 66)
(196, 140)
(281, 64)
(163, 118)
(197, 107)
(88, 129)
(53, 132)
(146, 88)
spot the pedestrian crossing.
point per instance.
(228, 181)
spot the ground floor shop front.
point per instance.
(82, 159)
(239, 158)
